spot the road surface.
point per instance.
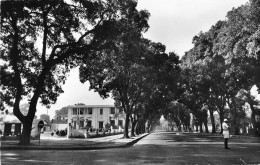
(156, 148)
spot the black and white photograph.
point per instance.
(129, 82)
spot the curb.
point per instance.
(245, 137)
(135, 141)
(220, 135)
(109, 146)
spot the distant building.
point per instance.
(9, 124)
(59, 124)
(60, 120)
(95, 116)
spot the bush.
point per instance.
(76, 134)
(62, 133)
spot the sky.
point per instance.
(172, 22)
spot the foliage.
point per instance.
(179, 113)
(45, 117)
(63, 112)
(137, 71)
(223, 61)
(43, 40)
(78, 119)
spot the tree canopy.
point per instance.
(43, 40)
(223, 62)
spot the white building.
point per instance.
(95, 116)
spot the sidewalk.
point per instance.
(115, 141)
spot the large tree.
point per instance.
(117, 71)
(230, 55)
(138, 71)
(236, 43)
(42, 40)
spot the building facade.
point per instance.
(95, 116)
(59, 124)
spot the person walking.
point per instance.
(225, 133)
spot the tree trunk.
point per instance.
(221, 118)
(206, 126)
(221, 105)
(136, 128)
(201, 129)
(236, 129)
(178, 124)
(179, 127)
(133, 127)
(253, 119)
(26, 134)
(187, 128)
(143, 128)
(197, 127)
(146, 127)
(211, 112)
(126, 126)
(244, 127)
(233, 108)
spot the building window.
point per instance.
(101, 112)
(81, 124)
(89, 123)
(120, 123)
(74, 124)
(74, 111)
(112, 122)
(86, 111)
(81, 111)
(90, 111)
(112, 110)
(100, 125)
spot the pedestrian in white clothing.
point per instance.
(225, 133)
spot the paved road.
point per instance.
(156, 148)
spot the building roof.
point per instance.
(11, 119)
(90, 106)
